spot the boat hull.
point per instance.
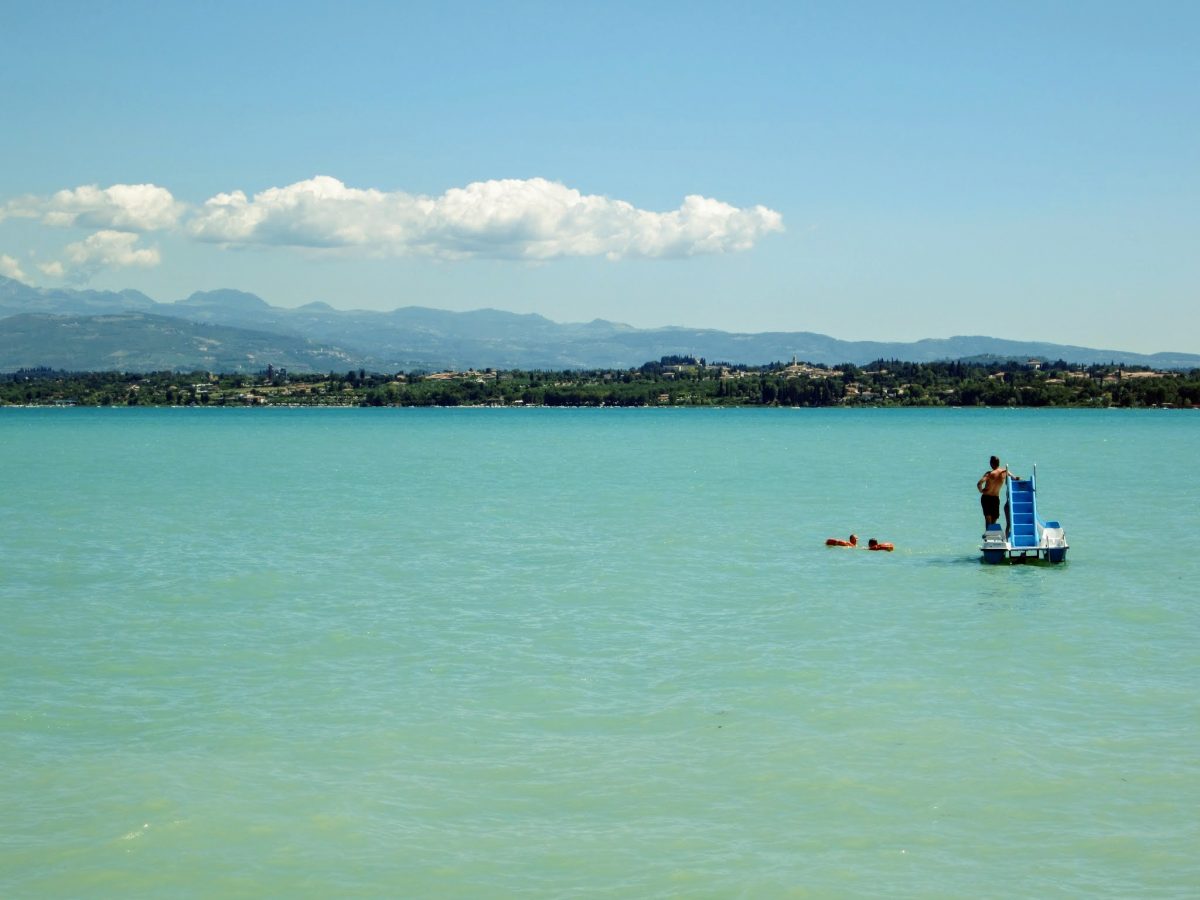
(1051, 548)
(1027, 555)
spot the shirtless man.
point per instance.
(990, 486)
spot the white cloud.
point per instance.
(105, 250)
(130, 207)
(531, 219)
(10, 268)
(527, 219)
(320, 212)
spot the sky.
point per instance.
(871, 171)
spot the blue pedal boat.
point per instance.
(1031, 540)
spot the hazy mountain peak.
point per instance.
(137, 297)
(10, 287)
(415, 337)
(225, 298)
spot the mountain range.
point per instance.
(234, 331)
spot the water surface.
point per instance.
(592, 653)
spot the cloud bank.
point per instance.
(10, 268)
(127, 207)
(520, 219)
(532, 219)
(108, 250)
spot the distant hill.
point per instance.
(137, 342)
(73, 325)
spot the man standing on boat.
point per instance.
(990, 486)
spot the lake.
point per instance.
(593, 653)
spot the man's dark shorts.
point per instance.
(991, 506)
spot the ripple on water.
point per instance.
(589, 653)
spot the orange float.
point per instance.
(838, 542)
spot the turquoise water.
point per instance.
(593, 653)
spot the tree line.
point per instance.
(671, 381)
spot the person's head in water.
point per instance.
(995, 462)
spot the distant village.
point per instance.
(671, 381)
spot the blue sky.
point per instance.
(884, 171)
